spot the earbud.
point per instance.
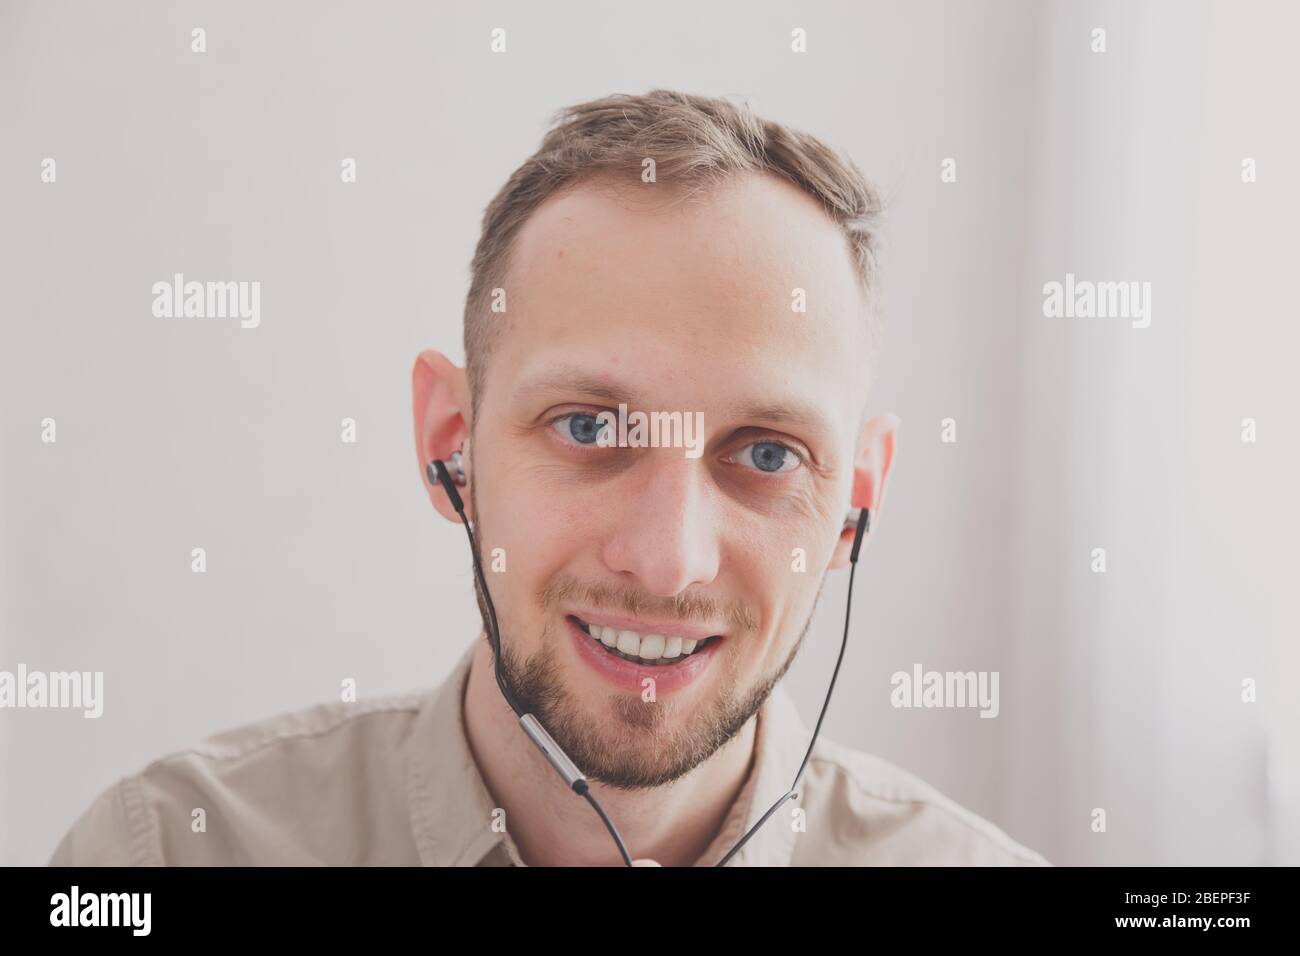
(457, 467)
(439, 475)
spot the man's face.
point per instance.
(666, 306)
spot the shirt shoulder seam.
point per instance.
(400, 703)
(142, 837)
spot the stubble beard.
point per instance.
(634, 749)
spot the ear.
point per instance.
(441, 408)
(870, 473)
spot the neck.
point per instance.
(553, 826)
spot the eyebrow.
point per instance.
(564, 379)
(572, 380)
(786, 413)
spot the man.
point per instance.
(672, 257)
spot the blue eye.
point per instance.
(581, 427)
(769, 456)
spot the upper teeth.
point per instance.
(650, 647)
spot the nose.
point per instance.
(665, 539)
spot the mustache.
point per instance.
(695, 608)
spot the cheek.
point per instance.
(533, 527)
(790, 587)
(762, 583)
(537, 547)
(554, 535)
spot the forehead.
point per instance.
(682, 299)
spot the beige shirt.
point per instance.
(392, 781)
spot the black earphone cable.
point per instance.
(579, 786)
(438, 474)
(793, 792)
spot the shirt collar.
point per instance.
(451, 808)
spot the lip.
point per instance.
(628, 676)
(643, 625)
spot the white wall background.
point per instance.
(1119, 691)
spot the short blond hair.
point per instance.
(695, 142)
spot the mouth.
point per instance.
(644, 649)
